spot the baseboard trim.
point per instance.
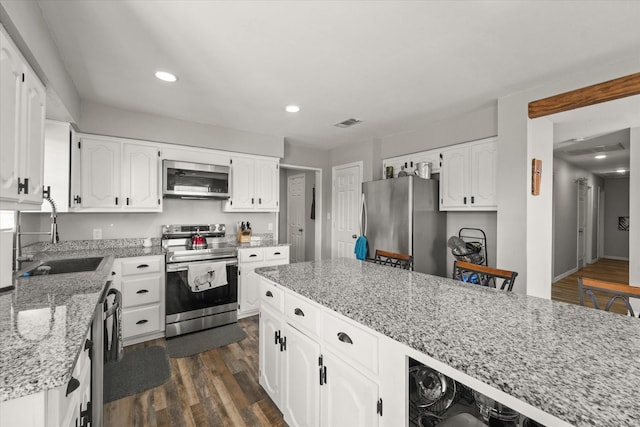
(565, 274)
(619, 258)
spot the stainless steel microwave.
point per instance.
(187, 180)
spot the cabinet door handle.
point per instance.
(253, 255)
(269, 294)
(276, 253)
(473, 199)
(260, 200)
(72, 385)
(141, 322)
(142, 291)
(298, 312)
(143, 266)
(277, 337)
(344, 338)
(116, 201)
(113, 273)
(23, 187)
(252, 200)
(127, 201)
(464, 200)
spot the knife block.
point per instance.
(244, 236)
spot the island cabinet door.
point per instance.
(301, 379)
(271, 330)
(349, 398)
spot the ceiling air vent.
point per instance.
(348, 123)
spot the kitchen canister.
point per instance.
(423, 169)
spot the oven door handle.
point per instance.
(184, 266)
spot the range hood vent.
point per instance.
(348, 123)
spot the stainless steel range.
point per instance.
(198, 295)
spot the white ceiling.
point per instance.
(391, 64)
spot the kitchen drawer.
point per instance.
(141, 290)
(271, 294)
(362, 350)
(302, 313)
(139, 321)
(250, 255)
(278, 253)
(141, 265)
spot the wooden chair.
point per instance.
(612, 290)
(403, 261)
(483, 275)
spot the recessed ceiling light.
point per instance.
(620, 170)
(291, 108)
(601, 156)
(166, 76)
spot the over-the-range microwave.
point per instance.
(187, 180)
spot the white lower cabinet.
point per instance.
(349, 398)
(141, 281)
(300, 403)
(311, 383)
(271, 324)
(248, 281)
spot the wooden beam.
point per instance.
(590, 95)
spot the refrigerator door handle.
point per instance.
(363, 217)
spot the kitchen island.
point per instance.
(558, 363)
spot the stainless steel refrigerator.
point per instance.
(401, 215)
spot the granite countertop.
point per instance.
(44, 320)
(575, 363)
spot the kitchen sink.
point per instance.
(60, 266)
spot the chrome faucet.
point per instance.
(18, 233)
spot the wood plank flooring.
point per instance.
(215, 388)
(604, 269)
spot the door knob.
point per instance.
(300, 230)
(354, 236)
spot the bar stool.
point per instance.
(483, 275)
(392, 259)
(613, 290)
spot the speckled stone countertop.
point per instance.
(575, 363)
(44, 320)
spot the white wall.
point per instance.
(516, 148)
(616, 204)
(79, 226)
(634, 210)
(23, 20)
(104, 120)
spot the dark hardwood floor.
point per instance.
(215, 388)
(604, 269)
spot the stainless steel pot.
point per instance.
(423, 169)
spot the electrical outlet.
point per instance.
(270, 226)
(97, 233)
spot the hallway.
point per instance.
(566, 289)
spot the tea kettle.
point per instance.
(197, 239)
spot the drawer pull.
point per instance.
(269, 294)
(253, 255)
(142, 291)
(143, 266)
(276, 253)
(141, 322)
(344, 338)
(298, 312)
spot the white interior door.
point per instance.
(295, 216)
(582, 223)
(347, 188)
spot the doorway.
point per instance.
(300, 205)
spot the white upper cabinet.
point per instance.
(254, 185)
(22, 113)
(140, 175)
(116, 175)
(468, 176)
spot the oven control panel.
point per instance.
(185, 230)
